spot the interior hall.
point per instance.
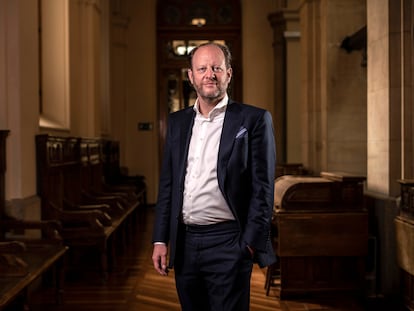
(86, 88)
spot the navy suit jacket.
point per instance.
(245, 170)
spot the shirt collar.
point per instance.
(219, 108)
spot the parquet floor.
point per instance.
(134, 285)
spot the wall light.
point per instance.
(199, 22)
(184, 49)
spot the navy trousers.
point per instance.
(213, 268)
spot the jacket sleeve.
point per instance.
(263, 159)
(163, 207)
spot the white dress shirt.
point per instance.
(204, 203)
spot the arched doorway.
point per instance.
(181, 25)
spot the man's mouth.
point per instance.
(210, 84)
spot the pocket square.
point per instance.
(241, 132)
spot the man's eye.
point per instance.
(217, 69)
(201, 70)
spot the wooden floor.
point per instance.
(134, 285)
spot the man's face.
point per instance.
(209, 74)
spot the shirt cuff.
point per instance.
(159, 243)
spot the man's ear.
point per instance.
(190, 75)
(229, 73)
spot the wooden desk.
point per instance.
(404, 235)
(321, 233)
(40, 259)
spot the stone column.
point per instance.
(390, 129)
(312, 118)
(19, 102)
(279, 50)
(86, 67)
(119, 26)
(407, 93)
(286, 49)
(384, 96)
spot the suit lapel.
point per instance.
(186, 125)
(232, 123)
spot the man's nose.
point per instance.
(210, 73)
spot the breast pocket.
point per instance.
(240, 154)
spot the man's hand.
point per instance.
(159, 258)
(251, 250)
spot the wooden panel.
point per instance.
(408, 289)
(407, 198)
(404, 234)
(404, 231)
(3, 136)
(322, 234)
(320, 274)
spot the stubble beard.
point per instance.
(212, 96)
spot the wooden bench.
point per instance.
(69, 177)
(25, 258)
(95, 185)
(115, 175)
(93, 180)
(322, 234)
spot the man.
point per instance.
(216, 188)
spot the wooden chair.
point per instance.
(26, 257)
